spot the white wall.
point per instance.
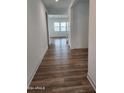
(79, 24)
(36, 36)
(92, 44)
(51, 21)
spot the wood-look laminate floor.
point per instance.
(62, 70)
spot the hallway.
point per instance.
(62, 70)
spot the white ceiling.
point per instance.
(58, 16)
(59, 7)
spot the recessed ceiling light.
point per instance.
(56, 0)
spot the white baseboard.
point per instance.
(91, 81)
(32, 76)
(29, 81)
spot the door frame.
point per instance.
(47, 28)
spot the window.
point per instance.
(56, 26)
(63, 26)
